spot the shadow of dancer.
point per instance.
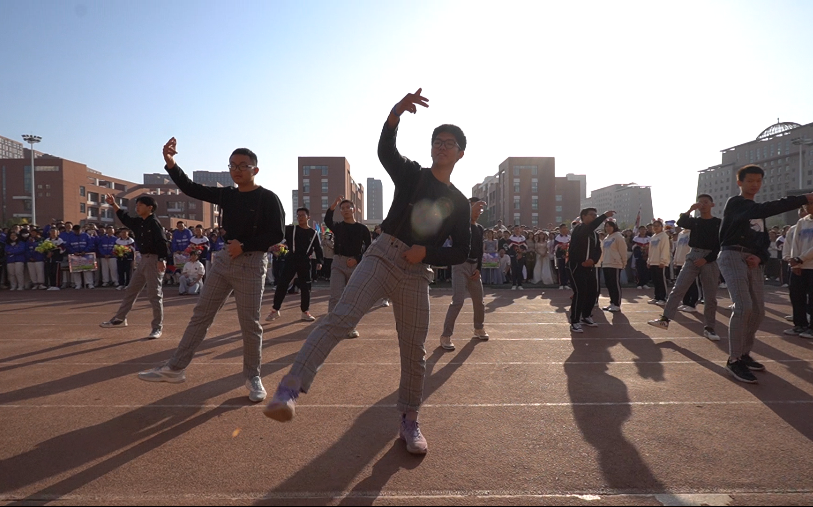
(342, 462)
(601, 406)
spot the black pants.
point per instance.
(612, 277)
(642, 272)
(516, 270)
(302, 269)
(326, 268)
(692, 295)
(564, 273)
(801, 297)
(52, 271)
(277, 266)
(659, 278)
(585, 293)
(123, 267)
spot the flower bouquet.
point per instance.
(122, 251)
(194, 248)
(46, 246)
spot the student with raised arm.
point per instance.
(254, 220)
(704, 241)
(583, 252)
(426, 209)
(744, 243)
(350, 240)
(151, 241)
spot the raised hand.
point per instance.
(609, 214)
(408, 103)
(337, 201)
(108, 198)
(169, 152)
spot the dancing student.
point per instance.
(466, 279)
(350, 240)
(657, 261)
(254, 220)
(302, 241)
(425, 211)
(613, 259)
(701, 261)
(583, 252)
(744, 243)
(799, 250)
(150, 238)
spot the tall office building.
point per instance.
(322, 180)
(212, 178)
(626, 200)
(9, 148)
(582, 179)
(375, 200)
(783, 150)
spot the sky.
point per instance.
(643, 92)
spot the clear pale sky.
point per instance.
(644, 92)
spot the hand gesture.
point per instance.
(409, 101)
(415, 254)
(609, 214)
(169, 152)
(588, 263)
(476, 275)
(108, 198)
(694, 207)
(700, 262)
(162, 266)
(235, 248)
(351, 262)
(753, 261)
(337, 202)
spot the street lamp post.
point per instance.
(802, 141)
(32, 140)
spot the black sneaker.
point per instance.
(751, 364)
(740, 371)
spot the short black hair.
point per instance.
(455, 131)
(76, 227)
(344, 201)
(147, 200)
(473, 200)
(585, 211)
(749, 169)
(612, 224)
(245, 151)
(306, 210)
(562, 225)
(707, 196)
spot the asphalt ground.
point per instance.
(624, 414)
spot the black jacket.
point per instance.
(584, 243)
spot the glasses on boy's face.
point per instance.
(448, 144)
(241, 167)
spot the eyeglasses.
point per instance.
(448, 143)
(241, 167)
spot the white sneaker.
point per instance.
(307, 317)
(711, 335)
(91, 286)
(114, 323)
(640, 287)
(282, 406)
(78, 287)
(446, 342)
(353, 334)
(274, 315)
(660, 302)
(723, 286)
(652, 302)
(155, 333)
(784, 286)
(481, 334)
(561, 287)
(589, 322)
(687, 308)
(256, 391)
(661, 323)
(513, 287)
(120, 287)
(612, 308)
(163, 374)
(520, 287)
(410, 433)
(53, 288)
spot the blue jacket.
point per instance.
(78, 244)
(33, 254)
(17, 252)
(105, 245)
(180, 240)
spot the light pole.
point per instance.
(802, 141)
(32, 140)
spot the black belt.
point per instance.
(472, 261)
(738, 248)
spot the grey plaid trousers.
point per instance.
(382, 272)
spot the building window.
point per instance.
(193, 205)
(516, 171)
(516, 185)
(534, 202)
(516, 219)
(324, 186)
(534, 185)
(306, 186)
(306, 202)
(534, 170)
(324, 170)
(193, 217)
(82, 192)
(558, 198)
(558, 209)
(558, 220)
(516, 202)
(306, 170)
(534, 219)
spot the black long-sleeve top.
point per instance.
(255, 219)
(584, 243)
(705, 233)
(303, 243)
(744, 222)
(349, 240)
(424, 210)
(149, 234)
(476, 252)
